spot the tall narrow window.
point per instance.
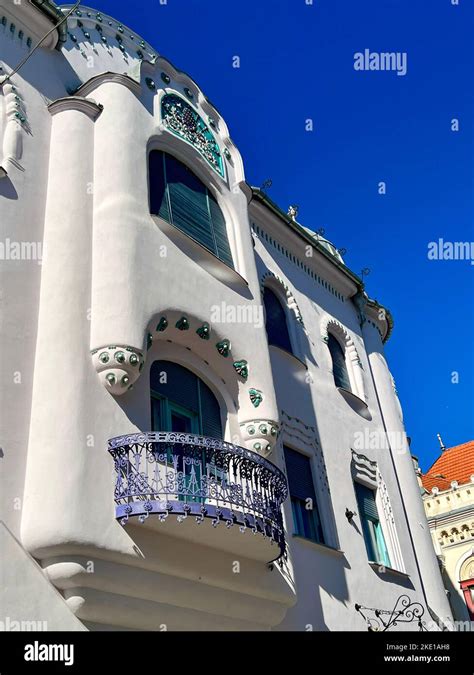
(306, 518)
(372, 529)
(180, 198)
(277, 329)
(339, 368)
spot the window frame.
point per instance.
(373, 529)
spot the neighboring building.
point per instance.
(161, 264)
(448, 496)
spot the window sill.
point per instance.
(318, 546)
(357, 404)
(387, 570)
(200, 255)
(290, 356)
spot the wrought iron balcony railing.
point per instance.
(168, 473)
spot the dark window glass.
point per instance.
(339, 368)
(277, 329)
(306, 518)
(180, 198)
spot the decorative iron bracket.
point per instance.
(382, 620)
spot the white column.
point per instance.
(57, 449)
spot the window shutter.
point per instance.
(300, 478)
(188, 199)
(180, 387)
(339, 369)
(277, 329)
(220, 232)
(186, 389)
(366, 502)
(210, 412)
(180, 198)
(159, 205)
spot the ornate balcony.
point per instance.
(196, 478)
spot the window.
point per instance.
(180, 401)
(277, 329)
(339, 368)
(180, 198)
(306, 518)
(371, 527)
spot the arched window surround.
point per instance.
(353, 362)
(175, 353)
(185, 399)
(278, 286)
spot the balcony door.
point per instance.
(182, 402)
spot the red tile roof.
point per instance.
(455, 463)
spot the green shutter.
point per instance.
(220, 232)
(188, 199)
(185, 389)
(366, 502)
(180, 198)
(159, 205)
(339, 368)
(210, 413)
(180, 386)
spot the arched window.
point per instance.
(339, 368)
(180, 401)
(277, 329)
(180, 198)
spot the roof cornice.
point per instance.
(375, 309)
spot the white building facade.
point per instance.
(199, 428)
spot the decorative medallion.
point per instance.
(117, 368)
(182, 324)
(241, 367)
(166, 78)
(184, 121)
(149, 340)
(204, 331)
(188, 92)
(259, 435)
(256, 397)
(223, 348)
(162, 324)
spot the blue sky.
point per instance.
(296, 63)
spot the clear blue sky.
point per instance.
(297, 63)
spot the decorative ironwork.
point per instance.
(170, 473)
(185, 122)
(405, 611)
